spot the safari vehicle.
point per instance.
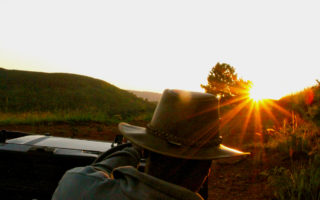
(32, 165)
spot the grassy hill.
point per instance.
(305, 103)
(66, 94)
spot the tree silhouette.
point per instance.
(224, 82)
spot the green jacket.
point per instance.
(116, 177)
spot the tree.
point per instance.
(224, 82)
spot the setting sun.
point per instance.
(256, 94)
(265, 91)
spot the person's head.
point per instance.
(183, 134)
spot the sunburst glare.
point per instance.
(257, 94)
(248, 113)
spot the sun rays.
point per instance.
(249, 116)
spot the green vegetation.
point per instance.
(298, 140)
(34, 97)
(305, 103)
(70, 117)
(299, 177)
(298, 183)
(223, 81)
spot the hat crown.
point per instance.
(186, 118)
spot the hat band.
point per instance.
(178, 141)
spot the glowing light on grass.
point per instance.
(246, 123)
(265, 106)
(227, 117)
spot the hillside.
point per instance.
(305, 103)
(150, 96)
(24, 91)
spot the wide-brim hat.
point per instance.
(184, 125)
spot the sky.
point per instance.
(153, 45)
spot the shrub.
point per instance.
(299, 183)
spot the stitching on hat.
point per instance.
(182, 141)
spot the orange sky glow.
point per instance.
(151, 46)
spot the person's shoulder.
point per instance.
(86, 171)
(126, 170)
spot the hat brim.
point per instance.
(139, 136)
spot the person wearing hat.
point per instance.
(179, 144)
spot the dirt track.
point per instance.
(237, 179)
